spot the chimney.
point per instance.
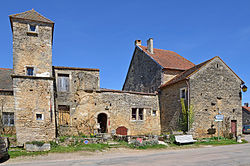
(150, 45)
(137, 42)
(246, 104)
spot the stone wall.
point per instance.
(168, 74)
(144, 74)
(213, 89)
(32, 50)
(34, 108)
(170, 104)
(7, 105)
(86, 101)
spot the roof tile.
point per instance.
(169, 59)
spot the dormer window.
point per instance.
(30, 71)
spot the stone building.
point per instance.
(210, 88)
(246, 114)
(40, 101)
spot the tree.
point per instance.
(187, 117)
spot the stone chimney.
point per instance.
(137, 42)
(150, 45)
(246, 104)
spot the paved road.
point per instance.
(231, 155)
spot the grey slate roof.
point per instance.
(32, 15)
(5, 79)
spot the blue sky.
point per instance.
(100, 34)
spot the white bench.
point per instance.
(183, 139)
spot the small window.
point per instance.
(8, 118)
(63, 82)
(154, 113)
(183, 93)
(30, 71)
(32, 28)
(134, 110)
(39, 116)
(140, 114)
(63, 115)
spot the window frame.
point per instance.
(138, 113)
(185, 93)
(60, 82)
(10, 116)
(38, 113)
(29, 28)
(27, 70)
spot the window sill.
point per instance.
(31, 33)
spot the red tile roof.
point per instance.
(245, 108)
(31, 15)
(187, 73)
(169, 59)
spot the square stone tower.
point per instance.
(32, 78)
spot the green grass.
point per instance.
(16, 152)
(221, 141)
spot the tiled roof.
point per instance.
(5, 79)
(187, 73)
(184, 75)
(245, 108)
(169, 59)
(31, 15)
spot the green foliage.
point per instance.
(62, 138)
(187, 118)
(171, 138)
(38, 143)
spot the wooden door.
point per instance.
(234, 127)
(122, 130)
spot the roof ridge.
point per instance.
(42, 18)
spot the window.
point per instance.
(39, 116)
(8, 118)
(63, 115)
(137, 114)
(32, 28)
(30, 71)
(140, 114)
(134, 113)
(183, 93)
(63, 82)
(154, 113)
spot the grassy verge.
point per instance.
(16, 152)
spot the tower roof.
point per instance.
(31, 15)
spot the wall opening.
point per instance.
(102, 120)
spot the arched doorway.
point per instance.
(102, 120)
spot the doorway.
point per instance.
(234, 127)
(102, 120)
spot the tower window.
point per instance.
(32, 28)
(30, 71)
(39, 116)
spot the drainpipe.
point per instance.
(188, 102)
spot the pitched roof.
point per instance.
(169, 59)
(184, 75)
(31, 15)
(245, 108)
(5, 79)
(187, 73)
